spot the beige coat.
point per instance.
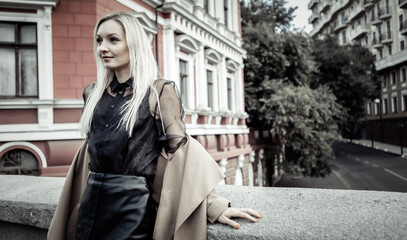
(187, 199)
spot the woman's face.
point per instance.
(112, 46)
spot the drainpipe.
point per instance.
(156, 37)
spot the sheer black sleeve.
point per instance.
(86, 92)
(166, 107)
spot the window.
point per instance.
(384, 83)
(393, 78)
(367, 40)
(402, 45)
(206, 5)
(381, 53)
(403, 75)
(404, 102)
(225, 9)
(401, 22)
(373, 15)
(394, 104)
(18, 62)
(390, 50)
(385, 109)
(344, 36)
(229, 92)
(387, 6)
(376, 108)
(369, 108)
(183, 80)
(388, 23)
(209, 80)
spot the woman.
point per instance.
(148, 178)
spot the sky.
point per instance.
(301, 14)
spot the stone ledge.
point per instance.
(289, 213)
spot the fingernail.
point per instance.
(261, 215)
(256, 220)
(237, 226)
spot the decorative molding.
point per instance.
(28, 145)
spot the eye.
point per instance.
(99, 40)
(114, 39)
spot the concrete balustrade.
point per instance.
(27, 205)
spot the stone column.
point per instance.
(260, 168)
(222, 164)
(251, 174)
(170, 72)
(201, 96)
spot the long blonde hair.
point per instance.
(143, 69)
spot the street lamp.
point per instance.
(379, 101)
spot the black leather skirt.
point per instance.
(116, 207)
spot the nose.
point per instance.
(102, 47)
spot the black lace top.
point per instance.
(111, 149)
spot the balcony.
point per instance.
(368, 4)
(386, 38)
(376, 20)
(359, 32)
(341, 25)
(314, 17)
(325, 5)
(403, 3)
(356, 12)
(312, 3)
(403, 27)
(376, 43)
(385, 13)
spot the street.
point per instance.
(358, 168)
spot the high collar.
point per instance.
(116, 86)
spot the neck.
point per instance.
(122, 75)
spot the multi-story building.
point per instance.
(47, 59)
(381, 26)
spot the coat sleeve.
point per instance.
(216, 206)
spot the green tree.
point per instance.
(278, 70)
(350, 72)
(305, 120)
(266, 11)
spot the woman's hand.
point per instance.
(247, 213)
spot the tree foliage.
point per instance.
(350, 72)
(266, 11)
(305, 117)
(279, 70)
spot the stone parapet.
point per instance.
(27, 204)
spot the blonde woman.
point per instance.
(138, 175)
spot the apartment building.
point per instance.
(380, 26)
(47, 59)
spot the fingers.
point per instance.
(252, 212)
(225, 220)
(245, 213)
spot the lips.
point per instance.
(106, 58)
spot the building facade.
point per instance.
(47, 59)
(380, 26)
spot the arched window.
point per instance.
(212, 60)
(186, 49)
(19, 162)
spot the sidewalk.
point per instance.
(394, 149)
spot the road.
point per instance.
(358, 168)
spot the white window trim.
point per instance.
(186, 49)
(403, 107)
(44, 52)
(403, 84)
(213, 63)
(368, 108)
(384, 105)
(393, 107)
(189, 58)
